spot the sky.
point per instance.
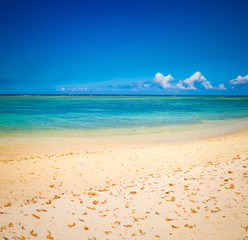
(124, 47)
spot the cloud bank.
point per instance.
(167, 82)
(187, 84)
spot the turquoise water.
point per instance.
(64, 113)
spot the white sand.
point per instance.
(195, 190)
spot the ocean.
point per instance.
(96, 115)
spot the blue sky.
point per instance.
(124, 47)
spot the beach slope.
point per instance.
(194, 190)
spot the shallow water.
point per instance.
(115, 115)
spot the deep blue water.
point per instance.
(42, 113)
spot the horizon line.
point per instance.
(52, 94)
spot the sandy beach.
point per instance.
(123, 120)
(192, 190)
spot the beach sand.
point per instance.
(193, 190)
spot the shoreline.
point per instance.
(14, 146)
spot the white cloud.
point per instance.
(180, 85)
(207, 85)
(188, 83)
(82, 89)
(163, 81)
(71, 89)
(60, 89)
(221, 87)
(239, 80)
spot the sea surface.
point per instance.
(94, 115)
